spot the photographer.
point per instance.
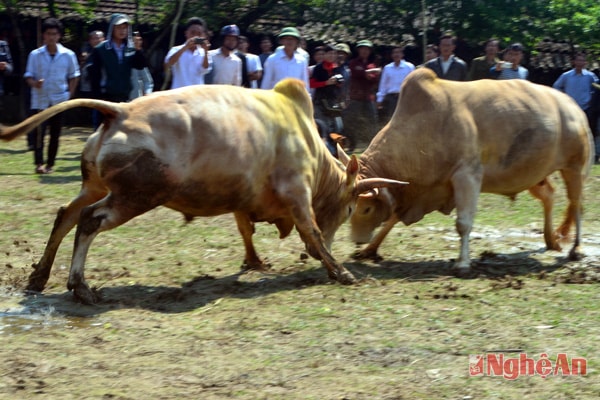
(190, 62)
(327, 80)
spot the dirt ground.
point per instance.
(179, 320)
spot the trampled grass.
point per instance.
(179, 320)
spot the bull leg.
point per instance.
(574, 184)
(246, 228)
(309, 231)
(66, 218)
(545, 193)
(101, 216)
(370, 252)
(467, 186)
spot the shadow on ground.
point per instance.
(204, 290)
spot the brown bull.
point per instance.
(205, 151)
(453, 140)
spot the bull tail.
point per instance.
(110, 110)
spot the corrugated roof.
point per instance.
(102, 12)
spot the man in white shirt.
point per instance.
(52, 73)
(253, 66)
(286, 62)
(190, 61)
(392, 76)
(227, 67)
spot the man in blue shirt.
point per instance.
(577, 83)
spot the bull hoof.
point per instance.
(344, 277)
(37, 282)
(255, 266)
(367, 255)
(462, 269)
(84, 294)
(575, 254)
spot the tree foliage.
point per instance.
(383, 21)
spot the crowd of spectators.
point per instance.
(354, 92)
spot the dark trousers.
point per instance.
(360, 122)
(36, 138)
(388, 107)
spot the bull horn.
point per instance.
(365, 185)
(342, 156)
(370, 194)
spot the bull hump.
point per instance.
(293, 89)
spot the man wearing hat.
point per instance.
(227, 66)
(112, 61)
(286, 62)
(360, 117)
(343, 53)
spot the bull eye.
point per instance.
(367, 210)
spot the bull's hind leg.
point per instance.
(104, 215)
(574, 183)
(66, 218)
(246, 228)
(545, 193)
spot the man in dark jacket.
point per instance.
(447, 65)
(112, 61)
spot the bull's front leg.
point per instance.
(312, 237)
(467, 186)
(371, 251)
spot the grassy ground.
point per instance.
(179, 320)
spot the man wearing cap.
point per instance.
(227, 66)
(112, 61)
(286, 62)
(360, 117)
(343, 53)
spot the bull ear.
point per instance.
(366, 185)
(342, 156)
(351, 170)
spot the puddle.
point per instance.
(16, 318)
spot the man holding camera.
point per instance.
(190, 62)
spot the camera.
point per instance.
(507, 65)
(199, 40)
(339, 78)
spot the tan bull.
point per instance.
(205, 151)
(453, 140)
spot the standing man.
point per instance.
(190, 62)
(266, 49)
(85, 83)
(360, 116)
(447, 65)
(112, 61)
(227, 67)
(6, 67)
(251, 65)
(391, 80)
(52, 74)
(513, 68)
(343, 53)
(480, 66)
(578, 83)
(286, 62)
